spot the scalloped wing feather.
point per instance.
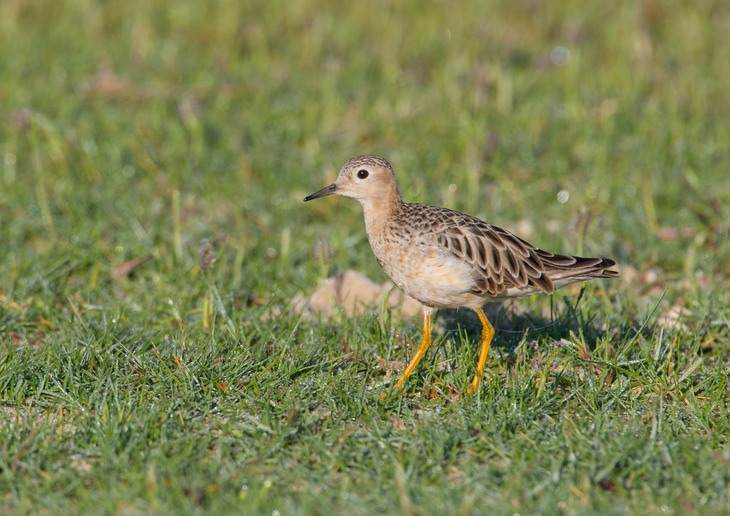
(506, 265)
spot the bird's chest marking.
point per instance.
(423, 272)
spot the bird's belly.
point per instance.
(433, 278)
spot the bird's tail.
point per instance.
(564, 269)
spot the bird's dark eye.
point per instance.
(362, 174)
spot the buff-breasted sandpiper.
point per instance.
(444, 258)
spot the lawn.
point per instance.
(153, 161)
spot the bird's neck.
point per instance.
(378, 212)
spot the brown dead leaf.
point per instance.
(397, 424)
(610, 377)
(125, 269)
(345, 348)
(353, 293)
(671, 233)
(390, 366)
(608, 485)
(432, 392)
(106, 83)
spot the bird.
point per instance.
(448, 259)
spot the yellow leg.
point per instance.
(487, 335)
(425, 344)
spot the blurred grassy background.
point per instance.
(131, 131)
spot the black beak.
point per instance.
(327, 190)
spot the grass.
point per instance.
(154, 159)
